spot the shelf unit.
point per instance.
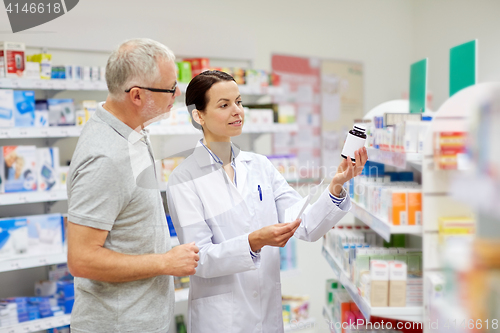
(58, 321)
(37, 325)
(57, 195)
(399, 313)
(32, 197)
(14, 264)
(395, 159)
(75, 131)
(59, 84)
(30, 262)
(329, 321)
(381, 227)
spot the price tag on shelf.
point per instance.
(22, 198)
(43, 261)
(80, 85)
(38, 84)
(96, 85)
(4, 133)
(12, 330)
(23, 133)
(15, 83)
(15, 264)
(49, 84)
(44, 132)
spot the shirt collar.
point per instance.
(120, 127)
(204, 156)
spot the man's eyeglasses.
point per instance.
(171, 91)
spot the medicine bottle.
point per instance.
(355, 140)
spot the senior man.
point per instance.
(118, 240)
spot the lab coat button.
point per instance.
(255, 294)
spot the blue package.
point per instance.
(24, 108)
(13, 236)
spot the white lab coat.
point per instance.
(231, 292)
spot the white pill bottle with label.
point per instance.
(355, 140)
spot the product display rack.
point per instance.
(37, 325)
(381, 227)
(60, 84)
(398, 313)
(75, 131)
(32, 197)
(329, 320)
(64, 320)
(394, 158)
(60, 132)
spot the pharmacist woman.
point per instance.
(231, 203)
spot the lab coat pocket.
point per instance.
(212, 314)
(265, 206)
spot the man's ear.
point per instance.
(135, 96)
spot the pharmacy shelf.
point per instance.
(486, 190)
(381, 227)
(21, 83)
(396, 159)
(30, 262)
(14, 264)
(75, 131)
(329, 320)
(301, 325)
(408, 313)
(58, 321)
(40, 132)
(32, 197)
(60, 84)
(37, 325)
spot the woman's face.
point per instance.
(223, 116)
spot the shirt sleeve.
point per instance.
(318, 218)
(338, 200)
(96, 193)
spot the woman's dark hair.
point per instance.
(196, 92)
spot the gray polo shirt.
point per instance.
(111, 186)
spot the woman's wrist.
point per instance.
(335, 188)
(255, 241)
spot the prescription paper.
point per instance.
(295, 211)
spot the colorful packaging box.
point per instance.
(7, 108)
(198, 65)
(48, 168)
(398, 211)
(13, 237)
(24, 108)
(414, 205)
(19, 168)
(45, 234)
(41, 113)
(12, 55)
(450, 150)
(61, 112)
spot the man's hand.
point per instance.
(182, 260)
(347, 170)
(273, 235)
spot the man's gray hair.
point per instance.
(135, 62)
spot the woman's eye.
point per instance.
(239, 102)
(223, 105)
